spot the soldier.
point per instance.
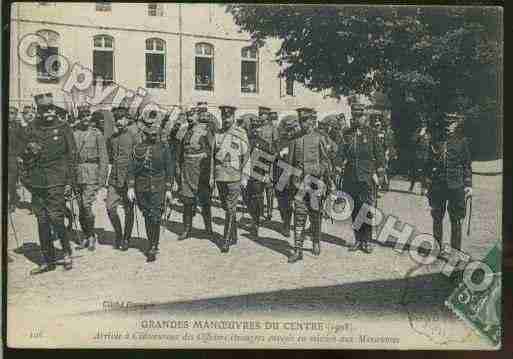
(120, 148)
(150, 174)
(311, 154)
(195, 150)
(263, 138)
(450, 178)
(381, 140)
(92, 173)
(362, 161)
(231, 155)
(28, 115)
(50, 159)
(421, 140)
(15, 147)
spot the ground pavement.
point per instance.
(192, 278)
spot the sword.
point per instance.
(14, 229)
(468, 202)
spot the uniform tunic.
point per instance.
(312, 154)
(363, 156)
(151, 171)
(120, 148)
(50, 158)
(195, 163)
(92, 163)
(450, 171)
(230, 149)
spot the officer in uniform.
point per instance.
(363, 159)
(311, 154)
(422, 141)
(269, 188)
(92, 172)
(28, 115)
(450, 178)
(15, 140)
(120, 148)
(150, 174)
(195, 150)
(50, 159)
(381, 140)
(263, 137)
(231, 159)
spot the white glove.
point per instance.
(468, 191)
(168, 196)
(131, 194)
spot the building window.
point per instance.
(155, 9)
(155, 63)
(289, 86)
(204, 69)
(52, 49)
(249, 70)
(103, 59)
(103, 6)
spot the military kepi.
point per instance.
(227, 111)
(305, 113)
(263, 110)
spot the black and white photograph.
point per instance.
(222, 175)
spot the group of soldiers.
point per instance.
(142, 160)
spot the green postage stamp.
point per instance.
(481, 307)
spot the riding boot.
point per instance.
(61, 233)
(357, 241)
(456, 234)
(129, 225)
(154, 242)
(234, 237)
(269, 200)
(150, 254)
(47, 249)
(187, 222)
(84, 224)
(298, 244)
(116, 225)
(316, 234)
(206, 213)
(228, 224)
(366, 237)
(92, 236)
(255, 225)
(286, 222)
(438, 231)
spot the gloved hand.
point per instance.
(468, 191)
(131, 194)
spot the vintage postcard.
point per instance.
(254, 176)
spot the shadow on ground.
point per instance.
(374, 298)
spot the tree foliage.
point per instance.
(435, 58)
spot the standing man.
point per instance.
(231, 158)
(50, 159)
(92, 173)
(151, 170)
(450, 178)
(362, 161)
(422, 141)
(120, 148)
(311, 154)
(195, 149)
(264, 138)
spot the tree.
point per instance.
(426, 60)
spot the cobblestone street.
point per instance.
(193, 278)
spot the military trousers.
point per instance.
(306, 206)
(195, 184)
(362, 192)
(151, 205)
(255, 198)
(441, 198)
(49, 207)
(229, 193)
(87, 197)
